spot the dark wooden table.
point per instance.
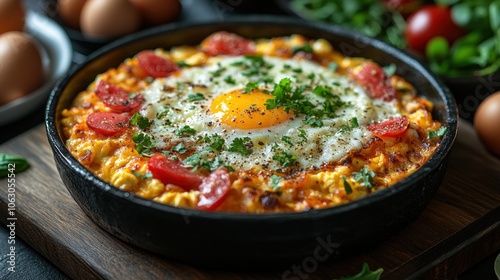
(457, 236)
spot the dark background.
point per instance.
(29, 263)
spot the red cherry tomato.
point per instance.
(214, 189)
(172, 172)
(429, 22)
(373, 78)
(227, 43)
(156, 66)
(391, 127)
(108, 124)
(116, 98)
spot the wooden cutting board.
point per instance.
(459, 228)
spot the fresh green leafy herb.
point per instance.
(285, 158)
(305, 48)
(182, 64)
(219, 71)
(390, 69)
(275, 182)
(180, 148)
(250, 87)
(347, 187)
(333, 66)
(228, 79)
(146, 175)
(354, 122)
(365, 274)
(242, 146)
(287, 139)
(313, 121)
(197, 161)
(302, 134)
(143, 143)
(365, 175)
(216, 142)
(344, 128)
(141, 121)
(12, 164)
(439, 133)
(161, 115)
(195, 97)
(185, 131)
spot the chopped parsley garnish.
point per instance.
(195, 97)
(285, 158)
(216, 142)
(275, 182)
(242, 146)
(344, 128)
(218, 72)
(185, 131)
(365, 175)
(439, 133)
(228, 79)
(182, 64)
(197, 161)
(141, 121)
(354, 122)
(146, 175)
(333, 66)
(287, 139)
(180, 148)
(250, 87)
(303, 135)
(390, 69)
(347, 187)
(161, 115)
(143, 143)
(304, 48)
(294, 99)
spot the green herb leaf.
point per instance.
(354, 122)
(365, 176)
(285, 158)
(390, 69)
(287, 139)
(147, 175)
(365, 274)
(182, 64)
(347, 187)
(242, 146)
(143, 143)
(12, 164)
(185, 131)
(196, 97)
(275, 182)
(439, 133)
(250, 87)
(180, 148)
(228, 79)
(304, 48)
(141, 121)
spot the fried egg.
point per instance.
(259, 112)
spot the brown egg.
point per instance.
(69, 12)
(21, 68)
(109, 18)
(487, 122)
(11, 15)
(156, 12)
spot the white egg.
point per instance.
(227, 97)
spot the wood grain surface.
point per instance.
(458, 229)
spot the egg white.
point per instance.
(312, 146)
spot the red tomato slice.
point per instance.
(156, 66)
(108, 124)
(214, 189)
(391, 127)
(172, 172)
(116, 98)
(227, 43)
(373, 78)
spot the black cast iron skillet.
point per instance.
(232, 240)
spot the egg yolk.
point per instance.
(246, 110)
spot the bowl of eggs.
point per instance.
(194, 231)
(92, 23)
(32, 60)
